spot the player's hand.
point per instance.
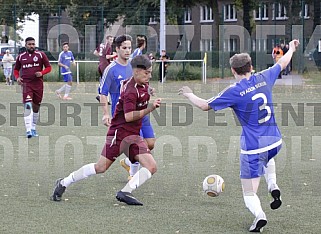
(294, 44)
(157, 103)
(19, 81)
(106, 120)
(38, 74)
(185, 91)
(151, 91)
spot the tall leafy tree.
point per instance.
(14, 11)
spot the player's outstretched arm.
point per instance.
(284, 61)
(195, 100)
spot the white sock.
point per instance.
(67, 90)
(62, 88)
(28, 118)
(253, 203)
(34, 120)
(80, 174)
(138, 179)
(270, 174)
(127, 162)
(134, 167)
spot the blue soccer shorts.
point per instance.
(252, 165)
(147, 130)
(67, 77)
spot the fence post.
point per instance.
(77, 72)
(163, 66)
(204, 67)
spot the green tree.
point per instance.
(44, 8)
(14, 11)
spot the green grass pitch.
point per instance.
(191, 144)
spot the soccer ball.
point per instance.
(213, 185)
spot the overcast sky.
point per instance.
(31, 29)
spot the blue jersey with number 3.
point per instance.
(251, 100)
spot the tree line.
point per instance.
(103, 13)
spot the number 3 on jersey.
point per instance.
(263, 107)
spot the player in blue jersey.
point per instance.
(251, 100)
(141, 45)
(66, 58)
(114, 74)
(147, 131)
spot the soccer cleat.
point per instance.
(259, 222)
(276, 194)
(58, 94)
(29, 134)
(128, 198)
(129, 178)
(34, 133)
(124, 165)
(59, 190)
(67, 98)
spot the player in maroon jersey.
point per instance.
(104, 51)
(123, 135)
(106, 54)
(29, 73)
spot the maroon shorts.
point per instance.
(32, 92)
(119, 141)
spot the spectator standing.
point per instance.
(7, 62)
(163, 65)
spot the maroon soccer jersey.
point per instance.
(122, 136)
(133, 97)
(103, 49)
(28, 64)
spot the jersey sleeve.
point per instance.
(60, 58)
(46, 63)
(106, 81)
(271, 74)
(223, 100)
(72, 57)
(136, 52)
(107, 51)
(130, 99)
(17, 67)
